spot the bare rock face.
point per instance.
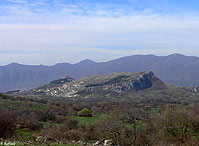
(63, 80)
(144, 81)
(194, 90)
(119, 82)
(114, 82)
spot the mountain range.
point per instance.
(175, 69)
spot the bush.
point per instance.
(7, 123)
(177, 125)
(85, 113)
(69, 131)
(47, 115)
(71, 124)
(30, 121)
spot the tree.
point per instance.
(132, 116)
(112, 128)
(7, 123)
(177, 124)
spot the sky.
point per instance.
(54, 31)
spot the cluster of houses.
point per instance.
(65, 90)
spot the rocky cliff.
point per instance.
(114, 82)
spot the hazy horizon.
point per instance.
(98, 61)
(53, 31)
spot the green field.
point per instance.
(90, 120)
(15, 103)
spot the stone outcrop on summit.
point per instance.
(114, 82)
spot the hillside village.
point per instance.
(115, 82)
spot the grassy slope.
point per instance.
(13, 102)
(89, 120)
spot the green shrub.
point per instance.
(85, 113)
(178, 125)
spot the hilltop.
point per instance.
(115, 82)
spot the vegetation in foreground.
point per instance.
(85, 123)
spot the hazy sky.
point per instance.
(52, 31)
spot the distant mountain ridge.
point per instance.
(175, 69)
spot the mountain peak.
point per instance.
(86, 62)
(14, 64)
(62, 64)
(176, 54)
(62, 80)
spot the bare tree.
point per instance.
(131, 115)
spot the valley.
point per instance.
(114, 107)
